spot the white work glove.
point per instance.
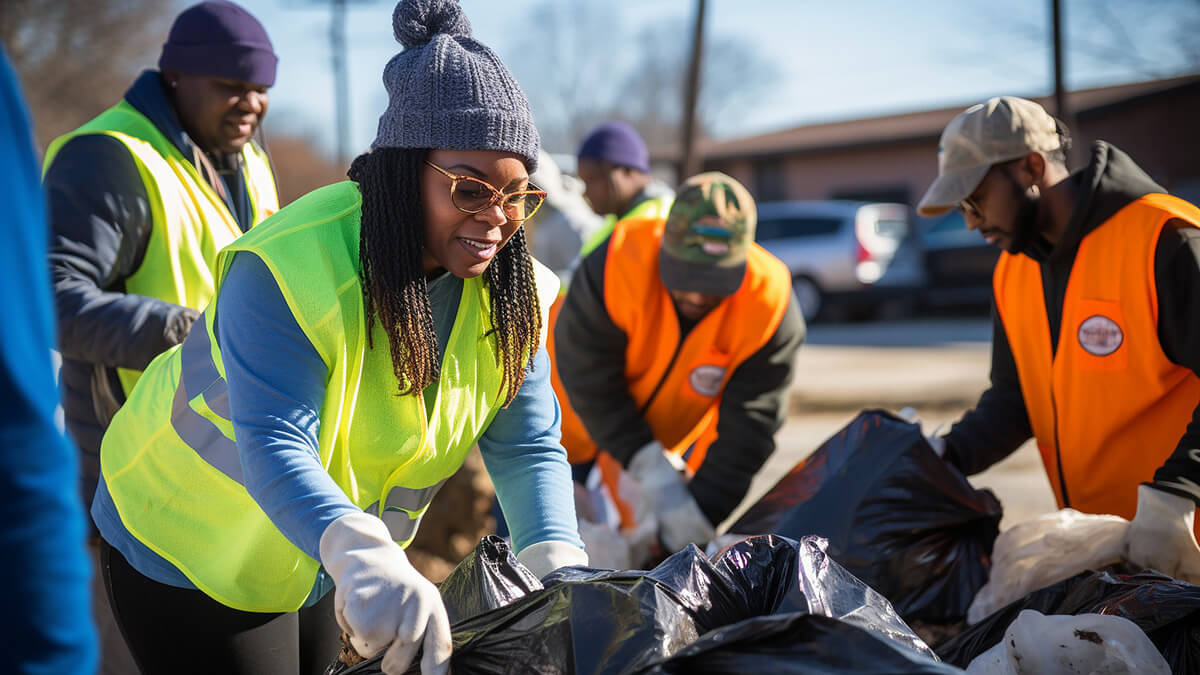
(936, 440)
(544, 557)
(381, 601)
(1160, 535)
(680, 520)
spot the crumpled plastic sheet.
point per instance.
(765, 604)
(896, 516)
(1041, 551)
(1166, 609)
(1091, 644)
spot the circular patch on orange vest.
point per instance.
(1100, 335)
(706, 380)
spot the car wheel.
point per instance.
(808, 295)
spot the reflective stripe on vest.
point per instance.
(1107, 405)
(655, 207)
(170, 461)
(190, 221)
(678, 386)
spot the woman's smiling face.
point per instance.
(465, 243)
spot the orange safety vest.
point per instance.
(1108, 407)
(680, 383)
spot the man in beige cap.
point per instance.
(1096, 342)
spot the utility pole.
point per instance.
(689, 162)
(1060, 103)
(341, 78)
(339, 64)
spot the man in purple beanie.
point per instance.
(140, 199)
(614, 166)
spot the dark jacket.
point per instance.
(100, 223)
(1000, 422)
(753, 404)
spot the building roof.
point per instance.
(908, 127)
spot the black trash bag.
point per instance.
(896, 516)
(489, 578)
(805, 644)
(597, 621)
(1167, 609)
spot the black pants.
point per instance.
(179, 630)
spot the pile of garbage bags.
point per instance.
(765, 604)
(896, 515)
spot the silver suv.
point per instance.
(846, 258)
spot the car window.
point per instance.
(781, 228)
(950, 221)
(892, 229)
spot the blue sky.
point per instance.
(833, 60)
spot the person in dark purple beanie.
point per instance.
(614, 165)
(140, 199)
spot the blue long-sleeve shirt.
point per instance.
(46, 626)
(276, 384)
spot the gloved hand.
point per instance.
(938, 443)
(544, 557)
(936, 440)
(681, 522)
(381, 601)
(1160, 535)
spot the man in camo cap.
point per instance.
(675, 347)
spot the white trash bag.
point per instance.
(1045, 550)
(1083, 644)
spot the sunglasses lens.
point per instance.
(471, 195)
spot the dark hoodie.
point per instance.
(1000, 422)
(100, 223)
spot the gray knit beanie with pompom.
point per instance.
(448, 91)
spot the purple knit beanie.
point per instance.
(220, 39)
(616, 143)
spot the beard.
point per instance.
(1024, 231)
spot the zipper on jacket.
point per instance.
(1062, 481)
(666, 373)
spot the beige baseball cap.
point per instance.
(1003, 128)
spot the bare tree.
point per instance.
(583, 65)
(76, 57)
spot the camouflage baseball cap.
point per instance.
(709, 228)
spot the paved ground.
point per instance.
(939, 367)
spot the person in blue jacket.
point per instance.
(46, 625)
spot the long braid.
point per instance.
(391, 252)
(516, 313)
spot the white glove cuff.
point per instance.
(348, 533)
(544, 557)
(1163, 504)
(650, 465)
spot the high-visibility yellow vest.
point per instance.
(191, 222)
(169, 458)
(655, 207)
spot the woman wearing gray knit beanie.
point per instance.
(362, 341)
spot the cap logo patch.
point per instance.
(706, 380)
(1100, 335)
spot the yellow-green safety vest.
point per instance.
(655, 207)
(191, 223)
(169, 458)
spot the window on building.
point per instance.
(769, 181)
(897, 194)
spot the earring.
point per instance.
(174, 84)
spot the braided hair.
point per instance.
(395, 292)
